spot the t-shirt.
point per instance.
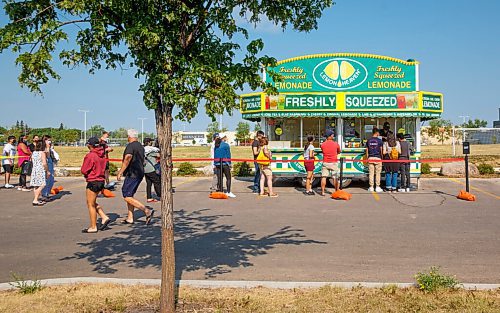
(104, 144)
(374, 144)
(307, 152)
(255, 144)
(136, 167)
(330, 151)
(8, 151)
(406, 150)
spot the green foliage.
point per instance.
(243, 132)
(25, 287)
(476, 123)
(426, 168)
(213, 128)
(485, 169)
(113, 169)
(441, 129)
(186, 169)
(434, 280)
(242, 169)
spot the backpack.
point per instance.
(394, 154)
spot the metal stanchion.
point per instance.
(341, 173)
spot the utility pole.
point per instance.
(142, 127)
(84, 125)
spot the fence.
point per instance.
(476, 136)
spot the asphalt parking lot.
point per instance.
(371, 238)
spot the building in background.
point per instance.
(496, 124)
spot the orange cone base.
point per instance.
(341, 195)
(217, 195)
(464, 195)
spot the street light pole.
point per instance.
(464, 117)
(142, 127)
(84, 125)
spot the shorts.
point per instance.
(266, 170)
(95, 186)
(329, 169)
(309, 165)
(8, 168)
(130, 186)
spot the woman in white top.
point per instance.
(40, 172)
(309, 164)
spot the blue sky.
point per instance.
(457, 44)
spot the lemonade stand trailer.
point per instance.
(347, 93)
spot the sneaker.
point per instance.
(8, 186)
(231, 195)
(388, 189)
(255, 191)
(401, 190)
(378, 189)
(26, 189)
(407, 189)
(370, 189)
(19, 188)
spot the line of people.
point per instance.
(36, 159)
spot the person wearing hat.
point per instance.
(385, 131)
(93, 169)
(223, 151)
(330, 167)
(213, 187)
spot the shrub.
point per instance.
(434, 280)
(25, 287)
(485, 169)
(112, 169)
(186, 169)
(242, 169)
(426, 168)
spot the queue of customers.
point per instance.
(36, 159)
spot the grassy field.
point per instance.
(142, 299)
(73, 156)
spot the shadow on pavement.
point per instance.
(202, 243)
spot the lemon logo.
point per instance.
(278, 131)
(340, 73)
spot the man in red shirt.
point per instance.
(330, 167)
(93, 167)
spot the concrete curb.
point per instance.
(234, 283)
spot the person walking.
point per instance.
(374, 155)
(39, 173)
(133, 170)
(93, 169)
(152, 170)
(213, 187)
(330, 168)
(51, 160)
(255, 152)
(404, 167)
(24, 155)
(266, 174)
(104, 140)
(8, 154)
(309, 164)
(223, 151)
(391, 150)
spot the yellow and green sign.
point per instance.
(344, 72)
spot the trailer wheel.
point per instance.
(315, 181)
(345, 182)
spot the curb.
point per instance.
(234, 283)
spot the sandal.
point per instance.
(150, 216)
(274, 195)
(127, 222)
(39, 203)
(105, 224)
(86, 231)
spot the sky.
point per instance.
(456, 42)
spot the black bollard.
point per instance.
(341, 172)
(467, 172)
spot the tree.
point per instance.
(185, 53)
(476, 123)
(257, 127)
(441, 129)
(95, 130)
(213, 128)
(242, 132)
(61, 127)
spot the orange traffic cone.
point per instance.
(107, 193)
(217, 195)
(464, 195)
(341, 195)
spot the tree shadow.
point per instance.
(202, 243)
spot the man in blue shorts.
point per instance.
(133, 170)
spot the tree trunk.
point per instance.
(164, 129)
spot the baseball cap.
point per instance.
(215, 135)
(222, 135)
(329, 133)
(93, 141)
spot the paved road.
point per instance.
(387, 238)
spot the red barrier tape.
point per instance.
(301, 161)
